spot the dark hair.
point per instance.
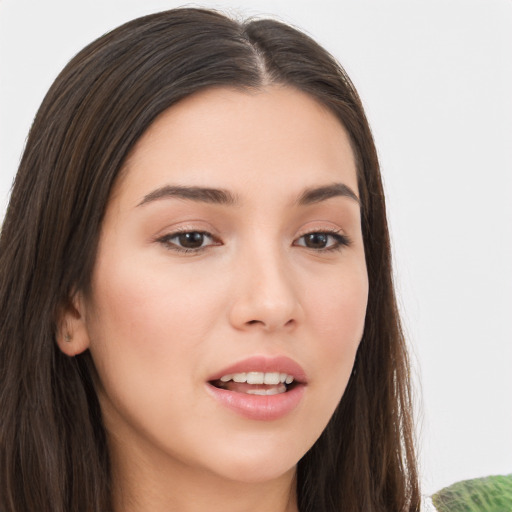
(53, 454)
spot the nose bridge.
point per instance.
(265, 292)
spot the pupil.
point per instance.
(191, 240)
(316, 240)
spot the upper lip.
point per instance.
(265, 364)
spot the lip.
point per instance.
(281, 364)
(257, 407)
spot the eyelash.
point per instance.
(340, 239)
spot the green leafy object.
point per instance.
(489, 494)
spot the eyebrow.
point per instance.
(225, 197)
(200, 194)
(319, 194)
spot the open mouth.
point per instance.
(260, 388)
(256, 383)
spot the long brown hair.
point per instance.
(53, 454)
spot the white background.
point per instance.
(436, 80)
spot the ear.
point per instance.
(72, 334)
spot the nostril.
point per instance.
(261, 322)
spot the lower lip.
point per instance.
(259, 407)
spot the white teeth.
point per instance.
(272, 378)
(255, 378)
(272, 391)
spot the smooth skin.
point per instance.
(184, 287)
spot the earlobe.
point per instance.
(72, 336)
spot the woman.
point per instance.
(195, 284)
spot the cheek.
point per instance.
(338, 312)
(335, 314)
(146, 331)
(148, 328)
(148, 309)
(338, 309)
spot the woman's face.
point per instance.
(231, 246)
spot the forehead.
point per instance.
(243, 140)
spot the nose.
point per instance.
(265, 294)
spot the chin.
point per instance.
(257, 472)
(257, 461)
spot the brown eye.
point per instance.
(316, 240)
(323, 241)
(192, 240)
(188, 241)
